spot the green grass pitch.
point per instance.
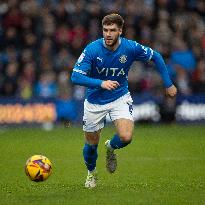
(164, 165)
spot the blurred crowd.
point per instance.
(40, 40)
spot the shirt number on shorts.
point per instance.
(130, 108)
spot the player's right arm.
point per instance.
(80, 75)
(80, 79)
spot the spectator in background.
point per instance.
(182, 56)
(10, 54)
(79, 37)
(198, 78)
(64, 87)
(45, 59)
(26, 56)
(183, 63)
(26, 80)
(46, 87)
(63, 60)
(13, 18)
(63, 35)
(9, 85)
(11, 38)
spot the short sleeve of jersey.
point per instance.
(142, 53)
(84, 62)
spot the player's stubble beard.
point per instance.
(115, 41)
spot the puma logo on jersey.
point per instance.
(100, 59)
(111, 71)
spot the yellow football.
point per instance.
(38, 168)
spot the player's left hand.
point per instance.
(171, 91)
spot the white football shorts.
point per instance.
(95, 114)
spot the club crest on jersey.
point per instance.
(123, 59)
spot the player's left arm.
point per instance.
(170, 89)
(143, 53)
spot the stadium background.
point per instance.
(41, 40)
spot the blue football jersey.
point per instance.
(97, 61)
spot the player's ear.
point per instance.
(120, 31)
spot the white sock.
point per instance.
(90, 172)
(109, 146)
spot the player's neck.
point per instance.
(114, 47)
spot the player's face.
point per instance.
(111, 34)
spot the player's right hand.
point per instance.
(109, 84)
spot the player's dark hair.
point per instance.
(113, 19)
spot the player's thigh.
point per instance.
(92, 138)
(94, 117)
(124, 128)
(121, 115)
(121, 108)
